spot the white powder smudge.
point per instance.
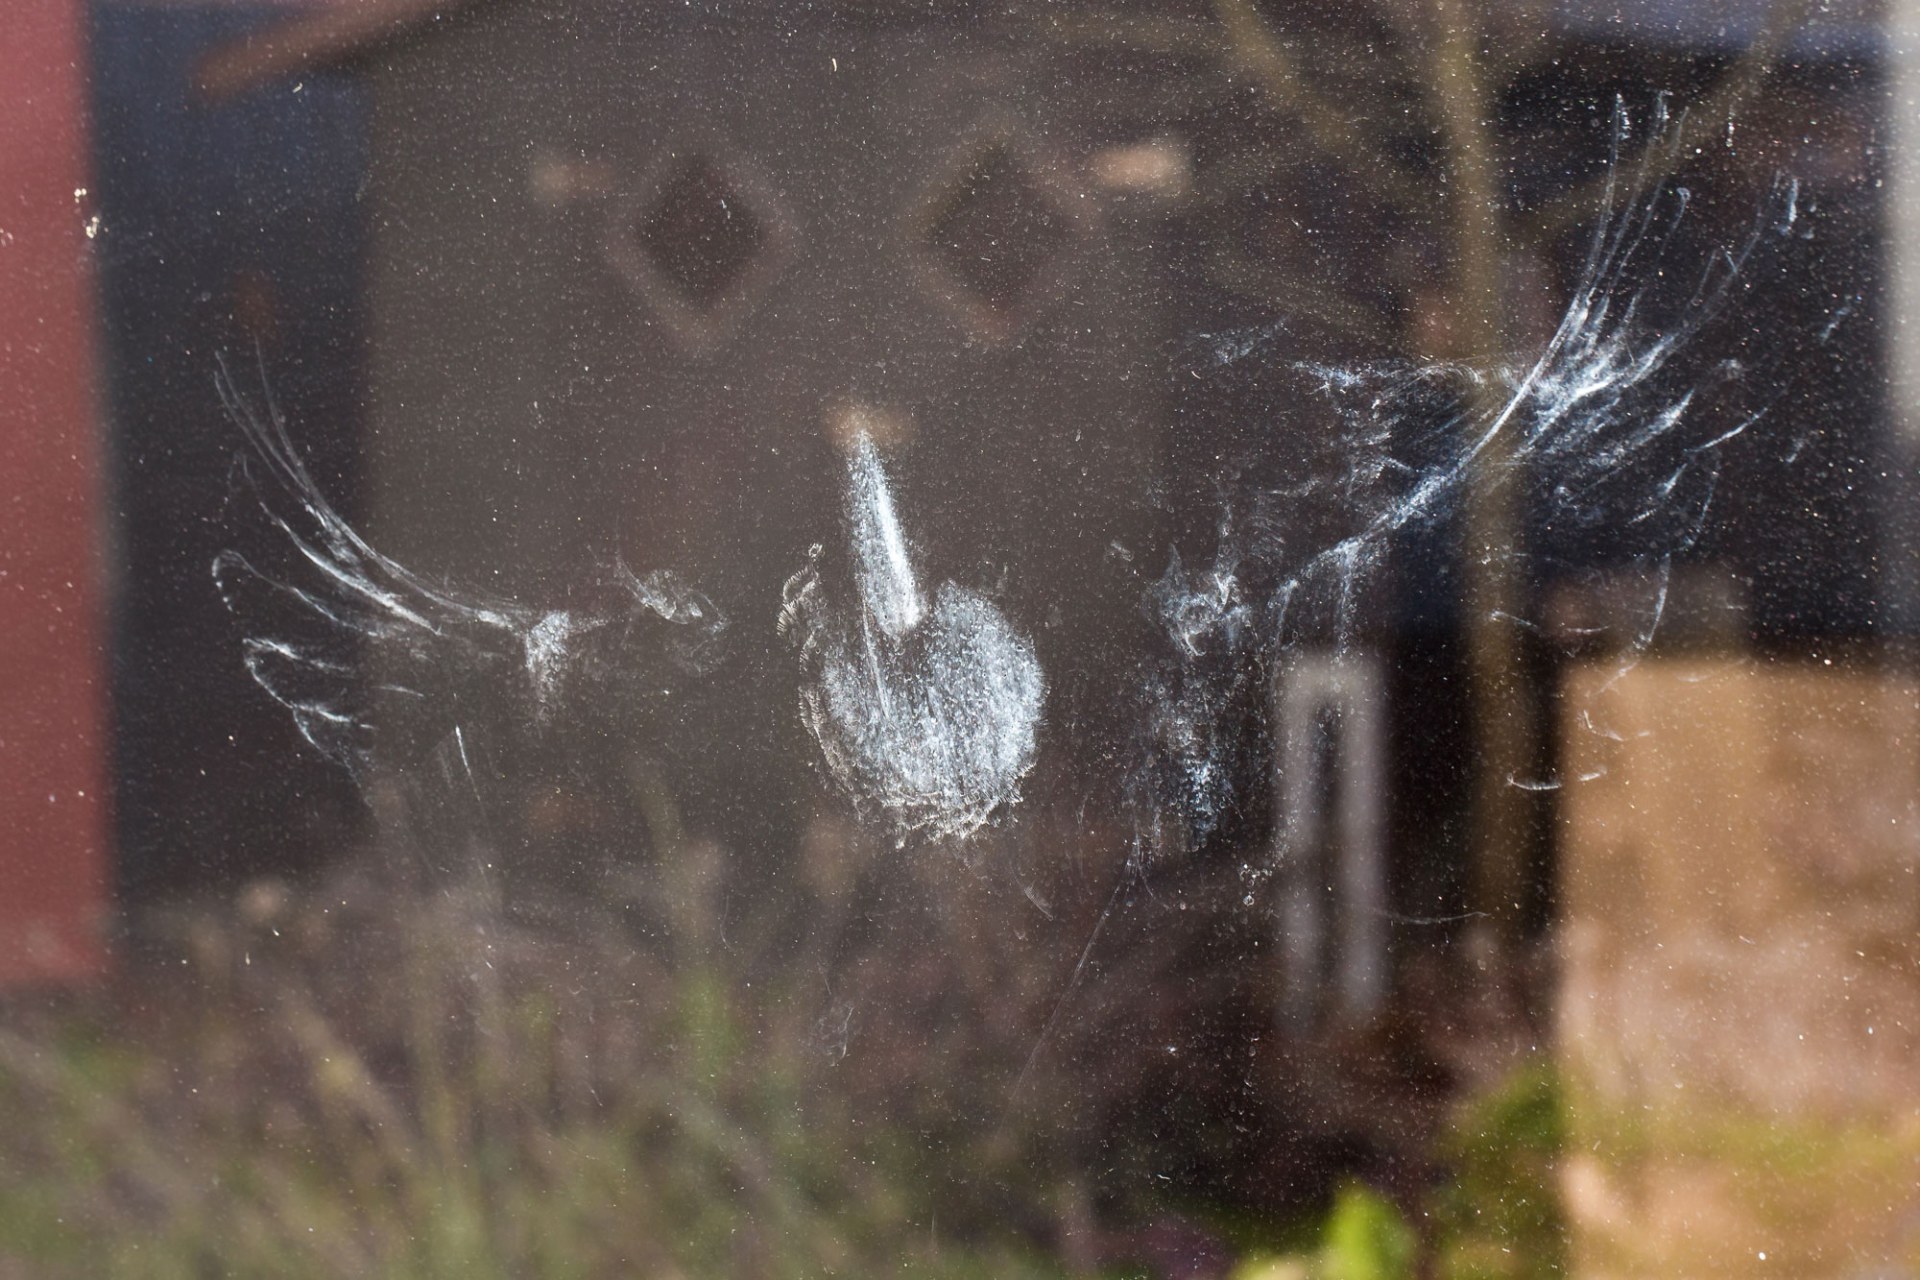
(1191, 743)
(663, 594)
(698, 624)
(546, 644)
(927, 714)
(1231, 345)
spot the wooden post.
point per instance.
(1503, 727)
(53, 669)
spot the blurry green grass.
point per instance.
(438, 1126)
(413, 1085)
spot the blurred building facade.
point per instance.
(591, 227)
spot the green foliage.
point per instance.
(1362, 1237)
(1500, 1217)
(1366, 1239)
(424, 1121)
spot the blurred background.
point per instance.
(1454, 462)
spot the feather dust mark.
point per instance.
(332, 607)
(1616, 429)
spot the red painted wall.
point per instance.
(53, 668)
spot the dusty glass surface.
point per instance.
(1253, 639)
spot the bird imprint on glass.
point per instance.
(926, 710)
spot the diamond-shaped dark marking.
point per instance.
(700, 233)
(995, 230)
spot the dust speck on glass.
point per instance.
(1235, 639)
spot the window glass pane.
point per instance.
(1232, 639)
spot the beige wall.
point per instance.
(1740, 1003)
